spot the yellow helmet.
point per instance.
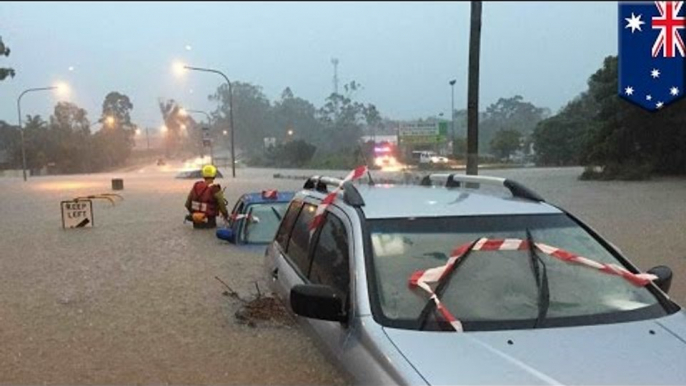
(209, 171)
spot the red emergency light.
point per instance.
(270, 194)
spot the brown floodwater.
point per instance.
(134, 299)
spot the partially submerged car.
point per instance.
(449, 285)
(195, 174)
(255, 217)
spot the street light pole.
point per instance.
(201, 112)
(452, 113)
(233, 129)
(21, 127)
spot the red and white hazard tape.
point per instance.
(356, 174)
(236, 217)
(423, 278)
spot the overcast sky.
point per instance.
(403, 54)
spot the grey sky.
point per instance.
(402, 53)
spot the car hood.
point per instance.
(645, 352)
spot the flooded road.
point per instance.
(134, 299)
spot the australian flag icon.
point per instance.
(652, 58)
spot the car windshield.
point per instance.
(263, 221)
(497, 289)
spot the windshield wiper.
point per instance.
(541, 276)
(440, 288)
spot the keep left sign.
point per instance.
(77, 214)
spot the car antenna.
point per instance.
(369, 174)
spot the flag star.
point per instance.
(674, 91)
(634, 22)
(649, 97)
(629, 90)
(655, 73)
(659, 105)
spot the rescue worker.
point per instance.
(206, 200)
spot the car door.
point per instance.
(292, 253)
(237, 209)
(330, 265)
(277, 248)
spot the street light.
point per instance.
(61, 88)
(452, 111)
(177, 66)
(290, 133)
(109, 121)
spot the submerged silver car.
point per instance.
(447, 284)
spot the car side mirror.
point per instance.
(664, 277)
(226, 234)
(317, 302)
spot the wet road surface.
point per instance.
(134, 299)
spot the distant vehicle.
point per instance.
(429, 157)
(450, 285)
(255, 217)
(385, 155)
(161, 162)
(437, 159)
(195, 174)
(385, 161)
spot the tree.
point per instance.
(629, 142)
(117, 106)
(4, 71)
(299, 115)
(512, 114)
(600, 129)
(114, 140)
(342, 119)
(372, 118)
(174, 121)
(251, 116)
(560, 139)
(297, 153)
(38, 143)
(68, 138)
(506, 142)
(9, 142)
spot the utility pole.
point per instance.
(452, 114)
(473, 91)
(334, 61)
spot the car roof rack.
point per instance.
(351, 195)
(459, 180)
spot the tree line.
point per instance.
(613, 138)
(302, 133)
(66, 143)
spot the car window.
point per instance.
(299, 243)
(236, 210)
(499, 285)
(287, 223)
(330, 257)
(262, 222)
